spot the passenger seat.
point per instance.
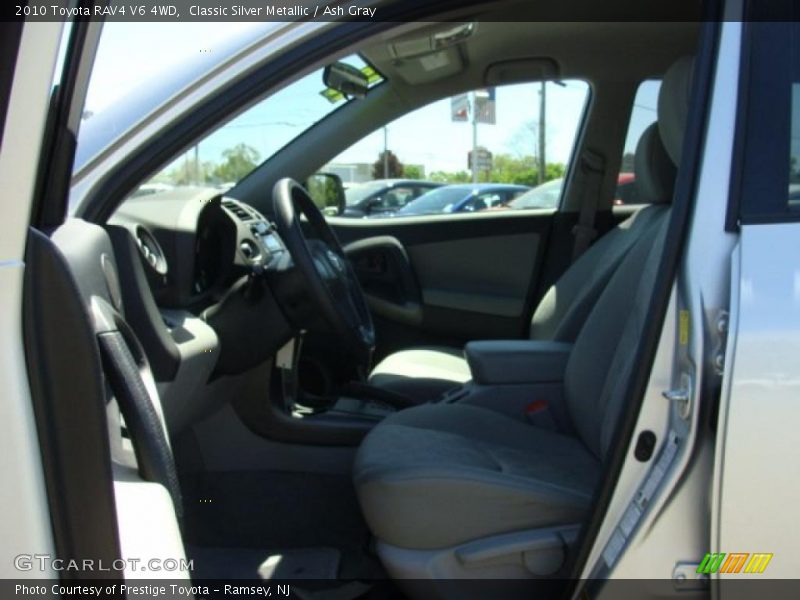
(454, 490)
(424, 374)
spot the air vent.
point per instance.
(238, 210)
(151, 250)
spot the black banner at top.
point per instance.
(364, 10)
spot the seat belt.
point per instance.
(592, 169)
(149, 439)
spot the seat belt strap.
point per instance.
(592, 169)
(150, 443)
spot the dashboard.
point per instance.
(194, 243)
(193, 265)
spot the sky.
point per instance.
(132, 54)
(430, 137)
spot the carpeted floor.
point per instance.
(236, 520)
(267, 564)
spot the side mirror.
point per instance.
(327, 192)
(346, 79)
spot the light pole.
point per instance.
(197, 164)
(542, 114)
(474, 111)
(385, 152)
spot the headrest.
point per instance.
(654, 169)
(673, 105)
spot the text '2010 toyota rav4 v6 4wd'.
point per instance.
(215, 378)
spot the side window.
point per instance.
(397, 197)
(643, 114)
(482, 202)
(521, 135)
(418, 190)
(492, 200)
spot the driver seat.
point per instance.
(425, 373)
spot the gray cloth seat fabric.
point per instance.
(439, 475)
(429, 467)
(424, 374)
(427, 372)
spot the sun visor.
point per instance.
(430, 67)
(520, 70)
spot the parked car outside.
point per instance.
(467, 197)
(548, 194)
(627, 190)
(383, 195)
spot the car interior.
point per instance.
(394, 400)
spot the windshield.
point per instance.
(139, 66)
(546, 195)
(231, 152)
(435, 201)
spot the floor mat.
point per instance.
(272, 509)
(250, 563)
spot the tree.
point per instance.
(505, 169)
(412, 172)
(395, 167)
(523, 170)
(627, 163)
(554, 171)
(445, 177)
(323, 192)
(238, 162)
(525, 140)
(184, 173)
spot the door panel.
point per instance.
(488, 275)
(447, 279)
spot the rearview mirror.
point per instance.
(327, 192)
(346, 79)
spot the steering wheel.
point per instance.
(321, 262)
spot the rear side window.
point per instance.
(643, 114)
(768, 138)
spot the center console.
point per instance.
(522, 379)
